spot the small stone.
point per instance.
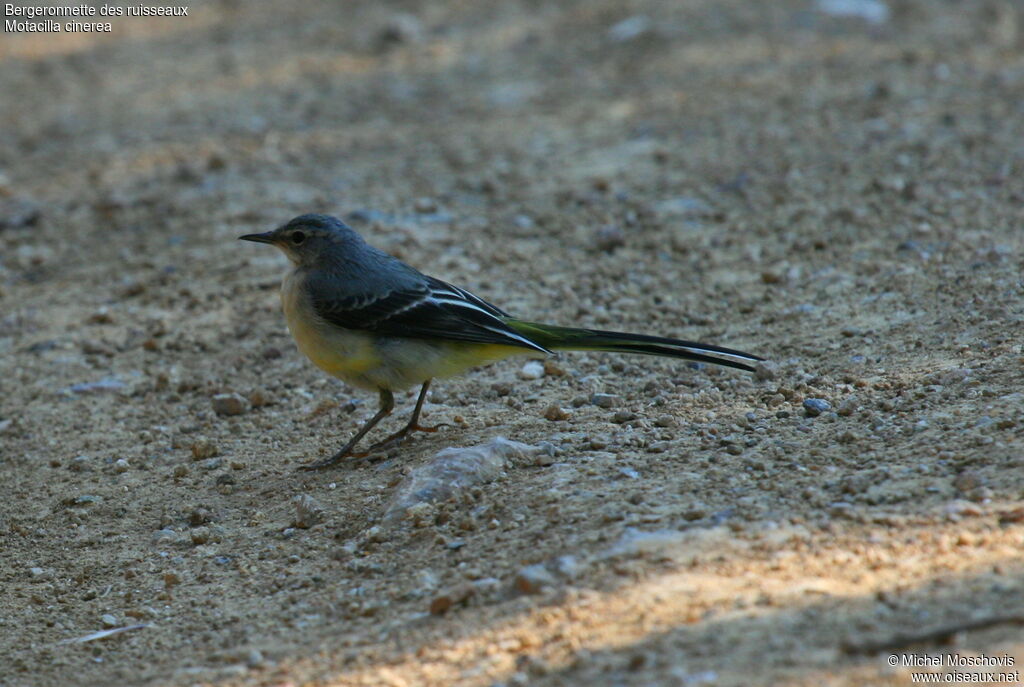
(604, 400)
(623, 416)
(308, 512)
(630, 28)
(199, 516)
(171, 580)
(765, 370)
(608, 238)
(840, 509)
(121, 466)
(816, 406)
(38, 573)
(546, 455)
(667, 421)
(401, 28)
(258, 399)
(568, 567)
(556, 414)
(533, 578)
(847, 407)
(695, 512)
(451, 597)
(164, 536)
(108, 621)
(553, 370)
(424, 205)
(211, 463)
(200, 535)
(230, 404)
(967, 481)
(532, 370)
(271, 353)
(179, 471)
(18, 212)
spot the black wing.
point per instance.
(432, 310)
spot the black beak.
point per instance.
(265, 237)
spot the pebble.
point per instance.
(667, 421)
(847, 407)
(166, 535)
(17, 212)
(38, 573)
(121, 466)
(568, 567)
(871, 11)
(623, 416)
(629, 28)
(841, 509)
(967, 481)
(258, 398)
(375, 535)
(684, 206)
(105, 384)
(765, 370)
(532, 370)
(453, 470)
(108, 621)
(816, 406)
(604, 400)
(200, 535)
(608, 238)
(556, 414)
(308, 512)
(533, 578)
(424, 205)
(451, 597)
(199, 516)
(230, 404)
(401, 28)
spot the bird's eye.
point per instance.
(298, 237)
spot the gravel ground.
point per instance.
(840, 194)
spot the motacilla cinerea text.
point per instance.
(371, 320)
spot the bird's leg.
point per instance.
(413, 426)
(387, 404)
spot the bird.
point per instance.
(376, 323)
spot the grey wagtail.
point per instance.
(369, 319)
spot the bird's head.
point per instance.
(308, 239)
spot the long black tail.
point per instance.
(572, 339)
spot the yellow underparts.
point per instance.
(376, 362)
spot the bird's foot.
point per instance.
(331, 461)
(399, 437)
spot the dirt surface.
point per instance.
(841, 195)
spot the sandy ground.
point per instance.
(842, 196)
